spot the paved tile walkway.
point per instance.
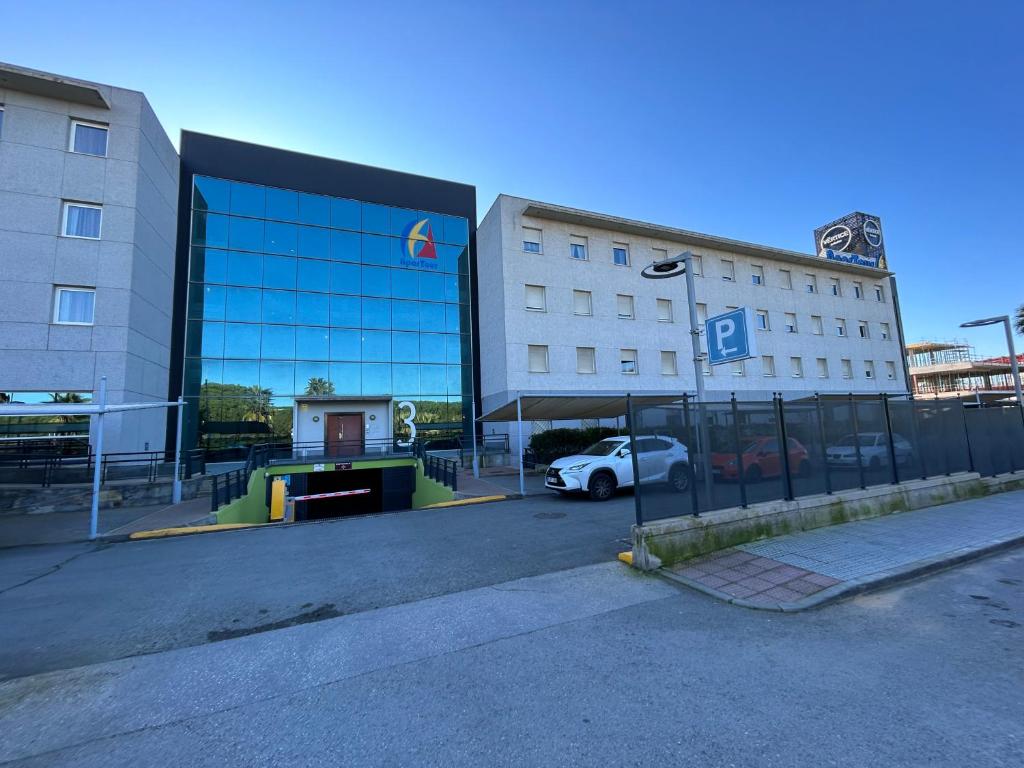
(794, 568)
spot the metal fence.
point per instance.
(736, 456)
(46, 468)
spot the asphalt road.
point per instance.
(594, 666)
(69, 605)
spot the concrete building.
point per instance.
(954, 369)
(563, 308)
(88, 209)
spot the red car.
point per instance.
(761, 459)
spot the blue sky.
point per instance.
(752, 120)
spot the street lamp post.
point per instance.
(1014, 368)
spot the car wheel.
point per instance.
(602, 487)
(753, 474)
(679, 478)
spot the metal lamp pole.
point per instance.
(1014, 368)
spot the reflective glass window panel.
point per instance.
(245, 269)
(246, 235)
(432, 317)
(456, 230)
(345, 246)
(346, 378)
(346, 344)
(206, 301)
(375, 218)
(376, 346)
(311, 377)
(313, 309)
(453, 347)
(405, 284)
(314, 209)
(242, 304)
(279, 307)
(401, 218)
(451, 288)
(210, 265)
(278, 342)
(376, 378)
(209, 229)
(312, 343)
(212, 371)
(346, 278)
(375, 250)
(248, 200)
(405, 347)
(345, 214)
(432, 286)
(454, 379)
(315, 242)
(241, 374)
(279, 272)
(282, 204)
(279, 378)
(433, 379)
(212, 344)
(432, 348)
(314, 275)
(345, 311)
(242, 340)
(376, 313)
(406, 378)
(211, 194)
(405, 315)
(448, 257)
(453, 317)
(436, 223)
(376, 281)
(281, 238)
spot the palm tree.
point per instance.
(319, 386)
(66, 398)
(1018, 319)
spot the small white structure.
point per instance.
(323, 421)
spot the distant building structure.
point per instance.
(954, 369)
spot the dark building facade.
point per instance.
(302, 279)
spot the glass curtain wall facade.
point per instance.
(294, 294)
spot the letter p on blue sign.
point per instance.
(730, 336)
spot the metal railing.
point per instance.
(48, 468)
(442, 470)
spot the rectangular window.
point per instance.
(890, 370)
(627, 360)
(668, 363)
(625, 306)
(858, 290)
(847, 367)
(869, 369)
(762, 319)
(822, 368)
(816, 327)
(862, 329)
(532, 240)
(538, 358)
(757, 275)
(840, 327)
(88, 138)
(811, 284)
(790, 322)
(879, 294)
(885, 330)
(796, 367)
(581, 303)
(768, 365)
(737, 368)
(586, 360)
(73, 306)
(660, 254)
(82, 220)
(536, 298)
(620, 254)
(702, 315)
(698, 265)
(664, 310)
(578, 247)
(728, 270)
(786, 279)
(836, 290)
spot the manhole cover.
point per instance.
(549, 515)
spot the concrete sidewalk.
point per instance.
(807, 569)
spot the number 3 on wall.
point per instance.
(408, 420)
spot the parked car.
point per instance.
(874, 450)
(608, 465)
(761, 459)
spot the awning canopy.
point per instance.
(566, 407)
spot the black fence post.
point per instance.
(967, 435)
(637, 497)
(917, 438)
(891, 444)
(856, 441)
(822, 437)
(787, 471)
(693, 471)
(740, 470)
(214, 489)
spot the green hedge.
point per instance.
(553, 444)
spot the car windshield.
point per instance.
(848, 441)
(603, 448)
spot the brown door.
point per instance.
(343, 434)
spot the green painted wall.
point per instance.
(252, 509)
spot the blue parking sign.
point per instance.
(731, 336)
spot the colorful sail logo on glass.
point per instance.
(419, 240)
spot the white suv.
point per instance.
(608, 464)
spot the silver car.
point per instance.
(874, 450)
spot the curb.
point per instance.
(163, 533)
(468, 501)
(862, 585)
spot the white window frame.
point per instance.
(543, 298)
(890, 370)
(620, 247)
(635, 361)
(738, 369)
(793, 327)
(757, 275)
(632, 306)
(879, 293)
(698, 265)
(539, 242)
(590, 303)
(58, 290)
(885, 331)
(64, 219)
(796, 367)
(837, 287)
(659, 303)
(666, 355)
(585, 245)
(593, 360)
(858, 290)
(869, 369)
(811, 284)
(728, 270)
(863, 329)
(822, 370)
(768, 365)
(841, 327)
(762, 314)
(786, 282)
(846, 366)
(529, 358)
(817, 325)
(75, 122)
